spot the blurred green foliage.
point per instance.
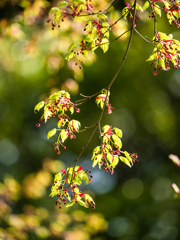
(132, 204)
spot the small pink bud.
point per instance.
(79, 169)
(63, 171)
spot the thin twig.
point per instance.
(129, 43)
(155, 20)
(142, 36)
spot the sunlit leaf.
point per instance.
(103, 16)
(104, 45)
(146, 5)
(63, 135)
(82, 203)
(51, 133)
(70, 204)
(125, 160)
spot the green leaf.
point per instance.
(146, 5)
(125, 12)
(46, 114)
(96, 150)
(109, 157)
(71, 109)
(93, 46)
(125, 160)
(58, 177)
(51, 133)
(152, 57)
(105, 31)
(61, 4)
(54, 9)
(85, 177)
(115, 161)
(39, 106)
(105, 139)
(78, 180)
(81, 7)
(63, 135)
(72, 46)
(103, 16)
(88, 26)
(105, 128)
(118, 132)
(70, 204)
(82, 203)
(67, 195)
(104, 45)
(85, 53)
(176, 15)
(117, 141)
(75, 125)
(88, 199)
(161, 63)
(127, 156)
(70, 55)
(138, 7)
(105, 25)
(97, 159)
(57, 15)
(157, 10)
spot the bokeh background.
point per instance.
(132, 204)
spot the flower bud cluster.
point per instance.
(166, 51)
(107, 155)
(68, 180)
(64, 9)
(58, 105)
(101, 98)
(171, 7)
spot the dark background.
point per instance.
(132, 204)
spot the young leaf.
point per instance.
(138, 7)
(88, 26)
(109, 157)
(118, 132)
(85, 53)
(71, 109)
(78, 180)
(63, 135)
(115, 162)
(39, 106)
(57, 15)
(88, 198)
(125, 12)
(96, 160)
(61, 4)
(105, 128)
(152, 57)
(72, 46)
(82, 203)
(85, 177)
(54, 9)
(103, 16)
(157, 10)
(104, 44)
(146, 5)
(51, 133)
(46, 114)
(70, 55)
(70, 204)
(117, 141)
(124, 160)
